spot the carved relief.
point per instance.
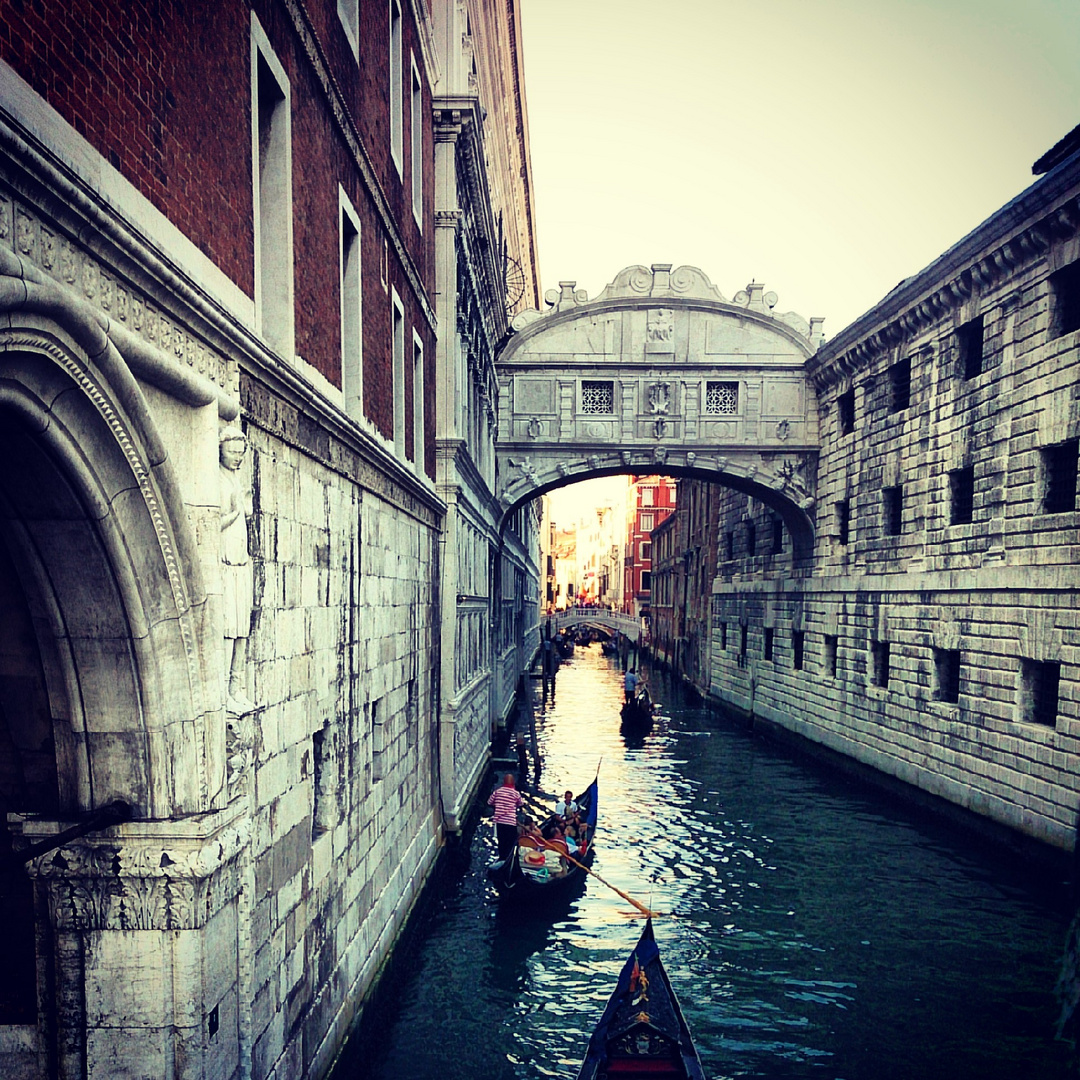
(237, 580)
(659, 397)
(660, 325)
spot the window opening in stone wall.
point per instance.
(397, 85)
(273, 234)
(969, 340)
(744, 638)
(597, 396)
(767, 651)
(324, 785)
(830, 655)
(843, 521)
(1059, 469)
(879, 658)
(723, 637)
(777, 536)
(398, 346)
(1039, 683)
(845, 407)
(961, 495)
(797, 642)
(1065, 300)
(947, 675)
(352, 378)
(418, 439)
(751, 538)
(416, 131)
(378, 741)
(900, 385)
(892, 510)
(729, 545)
(721, 398)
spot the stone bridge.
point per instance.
(662, 374)
(628, 625)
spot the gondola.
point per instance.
(518, 882)
(637, 713)
(642, 1032)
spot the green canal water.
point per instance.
(817, 929)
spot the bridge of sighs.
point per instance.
(662, 374)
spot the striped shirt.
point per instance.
(507, 801)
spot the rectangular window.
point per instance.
(396, 85)
(744, 636)
(729, 545)
(900, 385)
(721, 398)
(398, 345)
(352, 371)
(597, 397)
(646, 551)
(879, 660)
(947, 674)
(647, 522)
(416, 127)
(843, 520)
(723, 637)
(969, 340)
(648, 496)
(845, 407)
(961, 495)
(646, 581)
(830, 655)
(798, 639)
(777, 536)
(324, 808)
(1039, 684)
(767, 651)
(751, 538)
(892, 510)
(418, 440)
(272, 183)
(1065, 300)
(1059, 469)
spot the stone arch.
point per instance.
(662, 374)
(98, 541)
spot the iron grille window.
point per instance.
(1065, 300)
(843, 521)
(845, 406)
(879, 656)
(768, 642)
(892, 510)
(900, 385)
(947, 674)
(597, 396)
(969, 338)
(961, 495)
(721, 398)
(1040, 681)
(1059, 467)
(797, 639)
(830, 655)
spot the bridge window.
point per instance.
(961, 495)
(769, 633)
(845, 407)
(969, 339)
(721, 398)
(1059, 468)
(947, 674)
(843, 521)
(900, 385)
(1065, 300)
(797, 640)
(892, 510)
(830, 655)
(597, 396)
(1039, 684)
(777, 536)
(879, 659)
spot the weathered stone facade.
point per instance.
(934, 636)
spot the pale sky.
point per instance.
(828, 148)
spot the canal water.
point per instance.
(816, 929)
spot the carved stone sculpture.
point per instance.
(236, 574)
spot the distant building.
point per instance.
(650, 499)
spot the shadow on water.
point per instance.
(821, 930)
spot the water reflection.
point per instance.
(817, 931)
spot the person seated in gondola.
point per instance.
(529, 836)
(568, 811)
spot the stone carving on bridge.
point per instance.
(237, 583)
(659, 397)
(660, 326)
(535, 429)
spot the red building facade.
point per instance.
(652, 500)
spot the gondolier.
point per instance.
(507, 801)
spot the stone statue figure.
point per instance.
(236, 574)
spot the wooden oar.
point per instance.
(570, 858)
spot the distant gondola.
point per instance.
(520, 883)
(642, 1032)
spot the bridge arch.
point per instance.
(662, 374)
